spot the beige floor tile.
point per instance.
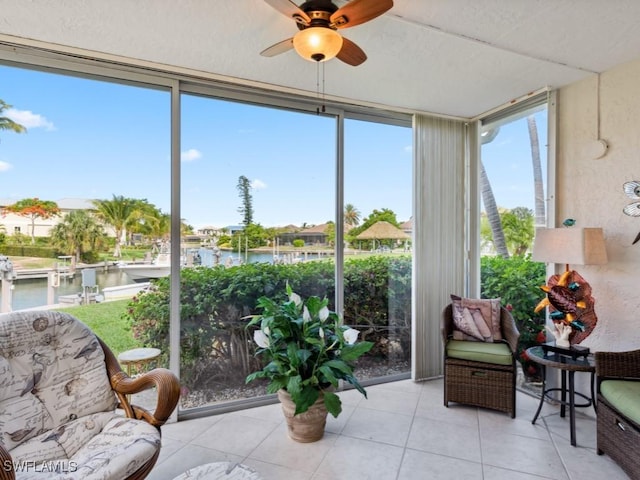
(395, 401)
(351, 397)
(187, 430)
(336, 425)
(383, 427)
(456, 413)
(497, 423)
(496, 473)
(268, 471)
(352, 458)
(418, 465)
(523, 454)
(169, 447)
(585, 429)
(408, 386)
(247, 434)
(445, 438)
(271, 413)
(584, 462)
(279, 449)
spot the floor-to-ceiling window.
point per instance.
(258, 184)
(515, 196)
(377, 242)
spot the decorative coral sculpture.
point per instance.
(569, 300)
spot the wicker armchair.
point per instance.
(481, 383)
(64, 402)
(618, 423)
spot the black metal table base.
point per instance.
(571, 403)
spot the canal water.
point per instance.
(31, 293)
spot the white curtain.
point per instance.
(443, 154)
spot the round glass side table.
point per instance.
(568, 364)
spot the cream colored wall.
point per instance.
(589, 189)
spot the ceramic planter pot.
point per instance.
(305, 427)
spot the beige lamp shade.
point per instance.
(575, 246)
(317, 44)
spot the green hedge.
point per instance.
(29, 251)
(215, 303)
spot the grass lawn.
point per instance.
(33, 262)
(105, 319)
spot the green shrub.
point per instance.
(91, 257)
(298, 243)
(29, 251)
(517, 280)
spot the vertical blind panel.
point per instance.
(439, 234)
(472, 204)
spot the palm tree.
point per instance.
(351, 215)
(538, 185)
(493, 215)
(117, 212)
(147, 219)
(6, 123)
(160, 226)
(77, 233)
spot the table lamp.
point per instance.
(568, 294)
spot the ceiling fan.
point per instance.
(318, 22)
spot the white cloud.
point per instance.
(28, 119)
(4, 166)
(258, 184)
(190, 155)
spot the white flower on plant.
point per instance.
(261, 339)
(351, 335)
(321, 332)
(295, 298)
(323, 313)
(306, 316)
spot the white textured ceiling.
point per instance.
(450, 57)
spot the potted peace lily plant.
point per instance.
(307, 351)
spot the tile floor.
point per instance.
(403, 432)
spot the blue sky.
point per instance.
(507, 160)
(92, 139)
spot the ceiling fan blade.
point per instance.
(291, 10)
(351, 53)
(278, 48)
(359, 11)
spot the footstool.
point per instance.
(220, 470)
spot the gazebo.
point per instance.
(382, 230)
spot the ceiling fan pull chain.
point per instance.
(320, 97)
(323, 91)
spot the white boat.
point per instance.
(160, 267)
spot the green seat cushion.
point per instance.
(624, 396)
(495, 353)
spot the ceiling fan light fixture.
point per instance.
(317, 44)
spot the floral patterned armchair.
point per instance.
(64, 408)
